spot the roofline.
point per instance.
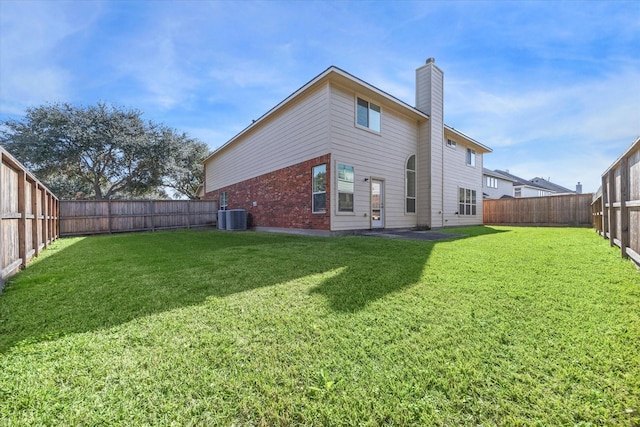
(457, 132)
(490, 172)
(349, 76)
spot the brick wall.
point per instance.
(283, 197)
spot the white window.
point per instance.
(492, 182)
(471, 157)
(517, 192)
(451, 143)
(467, 202)
(368, 115)
(411, 185)
(345, 188)
(223, 201)
(319, 192)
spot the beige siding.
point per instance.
(373, 155)
(458, 174)
(423, 176)
(430, 99)
(297, 133)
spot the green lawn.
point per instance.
(509, 326)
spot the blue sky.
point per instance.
(552, 87)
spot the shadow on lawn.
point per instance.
(103, 281)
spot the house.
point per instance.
(496, 185)
(554, 188)
(340, 155)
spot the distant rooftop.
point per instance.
(550, 185)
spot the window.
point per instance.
(471, 157)
(517, 192)
(223, 201)
(368, 115)
(319, 192)
(411, 185)
(492, 182)
(451, 143)
(345, 188)
(467, 202)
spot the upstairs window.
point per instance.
(451, 143)
(492, 182)
(368, 115)
(411, 185)
(319, 189)
(345, 188)
(471, 157)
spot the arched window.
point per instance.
(411, 184)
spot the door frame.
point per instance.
(382, 202)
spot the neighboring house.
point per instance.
(525, 188)
(555, 189)
(496, 185)
(536, 187)
(340, 155)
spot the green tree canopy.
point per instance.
(104, 152)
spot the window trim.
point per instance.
(451, 143)
(313, 193)
(471, 158)
(491, 180)
(369, 104)
(338, 192)
(406, 185)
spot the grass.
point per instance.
(510, 326)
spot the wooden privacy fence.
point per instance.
(616, 213)
(29, 216)
(115, 216)
(567, 210)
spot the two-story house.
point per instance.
(340, 155)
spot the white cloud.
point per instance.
(33, 39)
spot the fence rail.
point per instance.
(616, 212)
(28, 216)
(567, 210)
(83, 217)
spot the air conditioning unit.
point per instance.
(222, 220)
(236, 219)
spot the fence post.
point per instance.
(22, 221)
(153, 215)
(34, 221)
(624, 210)
(612, 218)
(109, 214)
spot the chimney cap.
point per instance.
(431, 60)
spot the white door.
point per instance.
(377, 204)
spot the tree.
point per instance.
(102, 152)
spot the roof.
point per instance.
(336, 74)
(496, 174)
(516, 179)
(550, 185)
